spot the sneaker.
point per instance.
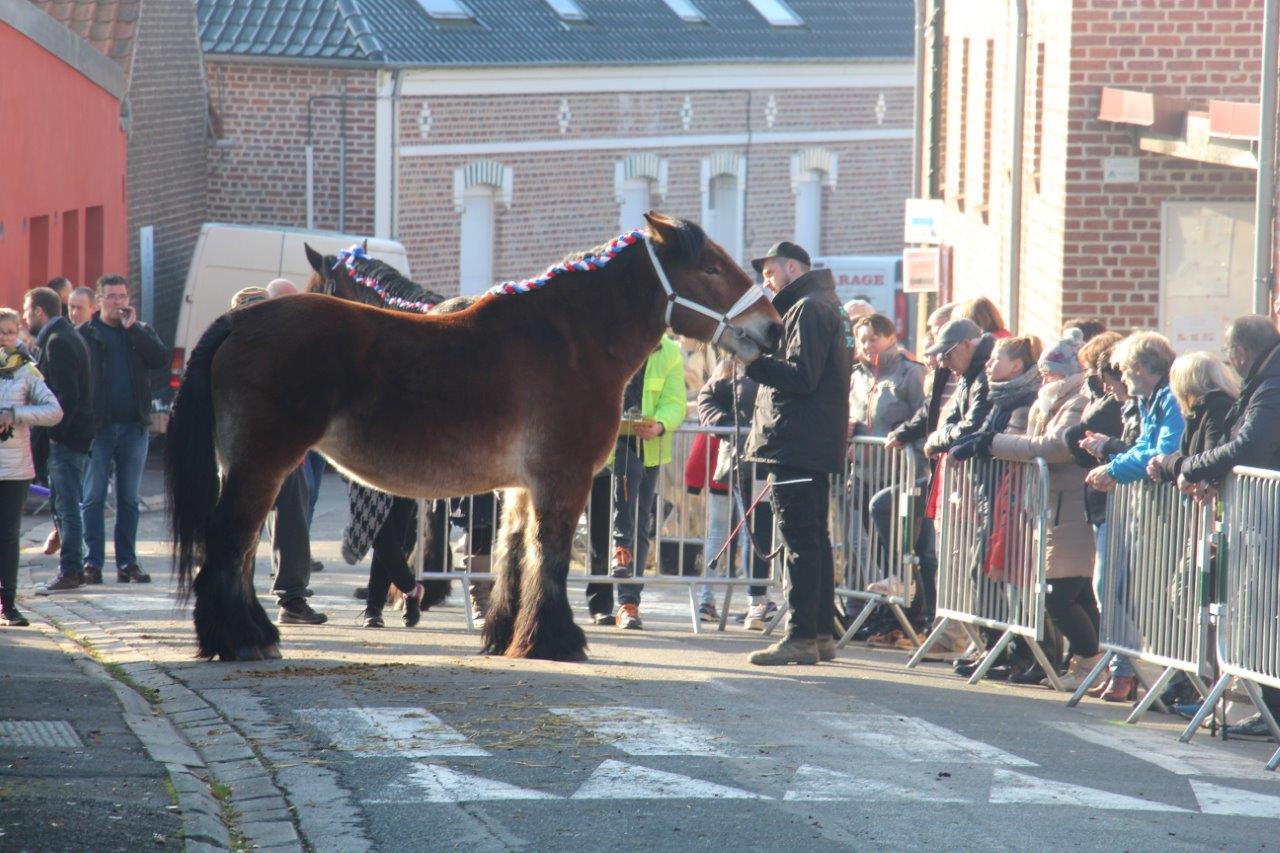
(52, 543)
(413, 606)
(1186, 711)
(760, 615)
(371, 619)
(316, 566)
(799, 651)
(603, 619)
(477, 615)
(826, 648)
(132, 574)
(92, 574)
(628, 617)
(13, 618)
(621, 567)
(707, 613)
(887, 640)
(1254, 726)
(298, 612)
(63, 582)
(362, 593)
(966, 668)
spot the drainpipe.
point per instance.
(1014, 283)
(1264, 210)
(917, 108)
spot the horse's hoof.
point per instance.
(250, 653)
(272, 652)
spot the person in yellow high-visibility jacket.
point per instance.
(653, 405)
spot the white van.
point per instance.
(228, 258)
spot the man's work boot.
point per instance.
(826, 648)
(790, 650)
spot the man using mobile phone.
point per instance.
(121, 351)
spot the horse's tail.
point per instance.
(190, 462)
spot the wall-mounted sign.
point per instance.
(1121, 170)
(923, 270)
(923, 221)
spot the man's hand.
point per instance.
(1100, 478)
(1153, 469)
(1093, 443)
(892, 443)
(128, 316)
(6, 418)
(648, 430)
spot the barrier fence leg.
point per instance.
(1275, 761)
(693, 610)
(976, 640)
(989, 661)
(777, 618)
(934, 635)
(1206, 708)
(468, 603)
(1255, 696)
(905, 623)
(724, 611)
(1091, 678)
(863, 616)
(1197, 684)
(1153, 693)
(1050, 671)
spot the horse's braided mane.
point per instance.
(394, 282)
(689, 241)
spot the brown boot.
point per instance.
(801, 651)
(1098, 689)
(1123, 688)
(53, 542)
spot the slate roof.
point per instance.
(528, 32)
(108, 25)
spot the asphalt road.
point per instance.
(406, 739)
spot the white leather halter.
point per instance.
(753, 294)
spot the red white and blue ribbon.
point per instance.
(587, 264)
(347, 258)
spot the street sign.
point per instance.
(922, 270)
(923, 222)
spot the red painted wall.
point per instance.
(61, 152)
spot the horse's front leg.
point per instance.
(544, 626)
(504, 600)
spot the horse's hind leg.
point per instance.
(230, 621)
(544, 626)
(504, 600)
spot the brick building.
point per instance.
(1130, 208)
(165, 115)
(492, 137)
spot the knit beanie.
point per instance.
(1063, 357)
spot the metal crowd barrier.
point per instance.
(871, 567)
(1154, 604)
(1248, 610)
(679, 547)
(992, 516)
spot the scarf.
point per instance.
(1026, 383)
(11, 360)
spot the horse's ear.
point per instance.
(662, 228)
(365, 245)
(314, 258)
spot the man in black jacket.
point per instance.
(799, 432)
(1253, 346)
(64, 361)
(121, 352)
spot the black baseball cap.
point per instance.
(783, 249)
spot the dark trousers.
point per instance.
(599, 595)
(1074, 611)
(313, 466)
(634, 489)
(13, 498)
(290, 539)
(391, 549)
(924, 600)
(801, 511)
(1271, 697)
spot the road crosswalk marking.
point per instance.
(1218, 799)
(645, 731)
(434, 783)
(1165, 751)
(617, 780)
(819, 784)
(390, 732)
(914, 739)
(1009, 786)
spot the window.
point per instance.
(476, 267)
(1039, 128)
(71, 245)
(94, 241)
(987, 130)
(446, 10)
(777, 13)
(568, 10)
(963, 152)
(634, 193)
(37, 251)
(687, 12)
(724, 214)
(809, 212)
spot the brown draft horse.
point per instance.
(522, 392)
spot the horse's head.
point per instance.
(711, 298)
(331, 276)
(355, 276)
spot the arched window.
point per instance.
(478, 190)
(811, 171)
(637, 180)
(724, 177)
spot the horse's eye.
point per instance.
(712, 271)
